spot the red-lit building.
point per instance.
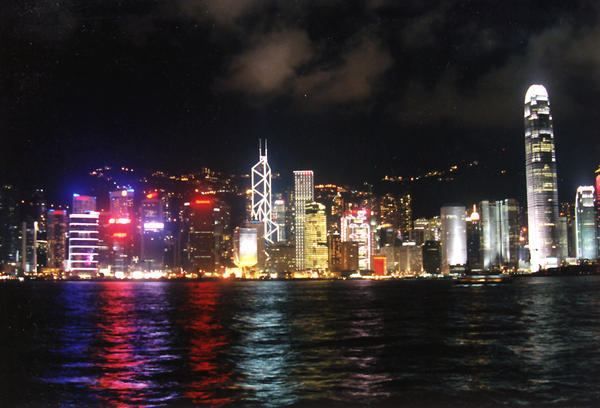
(119, 235)
(379, 265)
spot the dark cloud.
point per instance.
(222, 11)
(352, 80)
(270, 63)
(558, 57)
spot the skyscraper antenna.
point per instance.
(266, 146)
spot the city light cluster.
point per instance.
(163, 226)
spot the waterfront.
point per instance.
(410, 343)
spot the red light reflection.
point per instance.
(122, 369)
(206, 339)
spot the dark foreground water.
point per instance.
(532, 342)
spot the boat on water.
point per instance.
(483, 277)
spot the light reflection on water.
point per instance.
(264, 352)
(531, 342)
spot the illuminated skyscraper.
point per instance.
(315, 237)
(153, 233)
(474, 259)
(261, 195)
(279, 219)
(303, 194)
(57, 227)
(405, 214)
(200, 248)
(586, 242)
(122, 235)
(454, 237)
(540, 168)
(83, 237)
(355, 227)
(9, 225)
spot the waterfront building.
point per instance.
(282, 259)
(379, 265)
(432, 257)
(567, 216)
(510, 229)
(200, 236)
(10, 229)
(57, 222)
(303, 194)
(405, 223)
(355, 227)
(315, 237)
(262, 195)
(29, 243)
(334, 249)
(540, 168)
(122, 236)
(153, 233)
(279, 218)
(410, 258)
(245, 247)
(349, 256)
(83, 238)
(586, 242)
(474, 259)
(454, 237)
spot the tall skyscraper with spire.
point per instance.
(261, 195)
(540, 169)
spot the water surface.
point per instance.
(532, 342)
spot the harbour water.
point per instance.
(530, 342)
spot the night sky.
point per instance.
(351, 89)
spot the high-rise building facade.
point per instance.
(355, 227)
(405, 214)
(153, 233)
(122, 236)
(586, 242)
(567, 220)
(200, 236)
(83, 204)
(279, 215)
(83, 237)
(57, 227)
(474, 259)
(262, 196)
(9, 225)
(540, 168)
(303, 194)
(432, 257)
(454, 237)
(315, 237)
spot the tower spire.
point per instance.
(261, 194)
